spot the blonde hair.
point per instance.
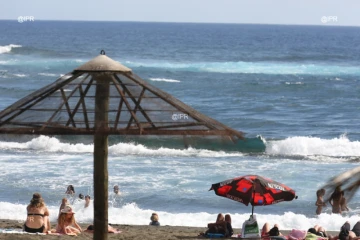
(63, 221)
(154, 217)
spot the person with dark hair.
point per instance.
(229, 229)
(270, 232)
(81, 196)
(87, 201)
(116, 190)
(347, 234)
(356, 229)
(70, 190)
(90, 228)
(37, 220)
(335, 200)
(320, 201)
(319, 231)
(343, 203)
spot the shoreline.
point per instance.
(129, 232)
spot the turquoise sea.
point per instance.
(293, 89)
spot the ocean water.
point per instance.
(295, 88)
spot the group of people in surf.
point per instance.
(38, 221)
(337, 201)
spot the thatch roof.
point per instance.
(67, 106)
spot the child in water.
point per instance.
(320, 201)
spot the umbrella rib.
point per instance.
(117, 119)
(134, 100)
(127, 104)
(137, 105)
(81, 101)
(35, 98)
(159, 93)
(65, 101)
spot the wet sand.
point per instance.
(129, 232)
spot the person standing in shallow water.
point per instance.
(37, 220)
(87, 201)
(70, 190)
(116, 190)
(335, 200)
(320, 201)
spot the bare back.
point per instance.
(35, 216)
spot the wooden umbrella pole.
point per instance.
(101, 159)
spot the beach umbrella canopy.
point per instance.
(102, 97)
(254, 189)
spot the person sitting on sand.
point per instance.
(87, 201)
(67, 223)
(154, 220)
(229, 229)
(37, 220)
(335, 200)
(90, 228)
(70, 190)
(116, 190)
(320, 201)
(220, 226)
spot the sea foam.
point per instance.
(7, 48)
(134, 215)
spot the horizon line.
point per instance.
(133, 21)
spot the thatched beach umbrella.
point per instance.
(102, 98)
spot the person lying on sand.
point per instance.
(268, 232)
(346, 233)
(90, 228)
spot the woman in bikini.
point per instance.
(37, 220)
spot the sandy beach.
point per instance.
(129, 232)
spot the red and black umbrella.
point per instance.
(254, 189)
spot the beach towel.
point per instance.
(311, 236)
(214, 235)
(17, 231)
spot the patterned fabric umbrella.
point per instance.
(254, 189)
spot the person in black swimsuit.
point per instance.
(37, 220)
